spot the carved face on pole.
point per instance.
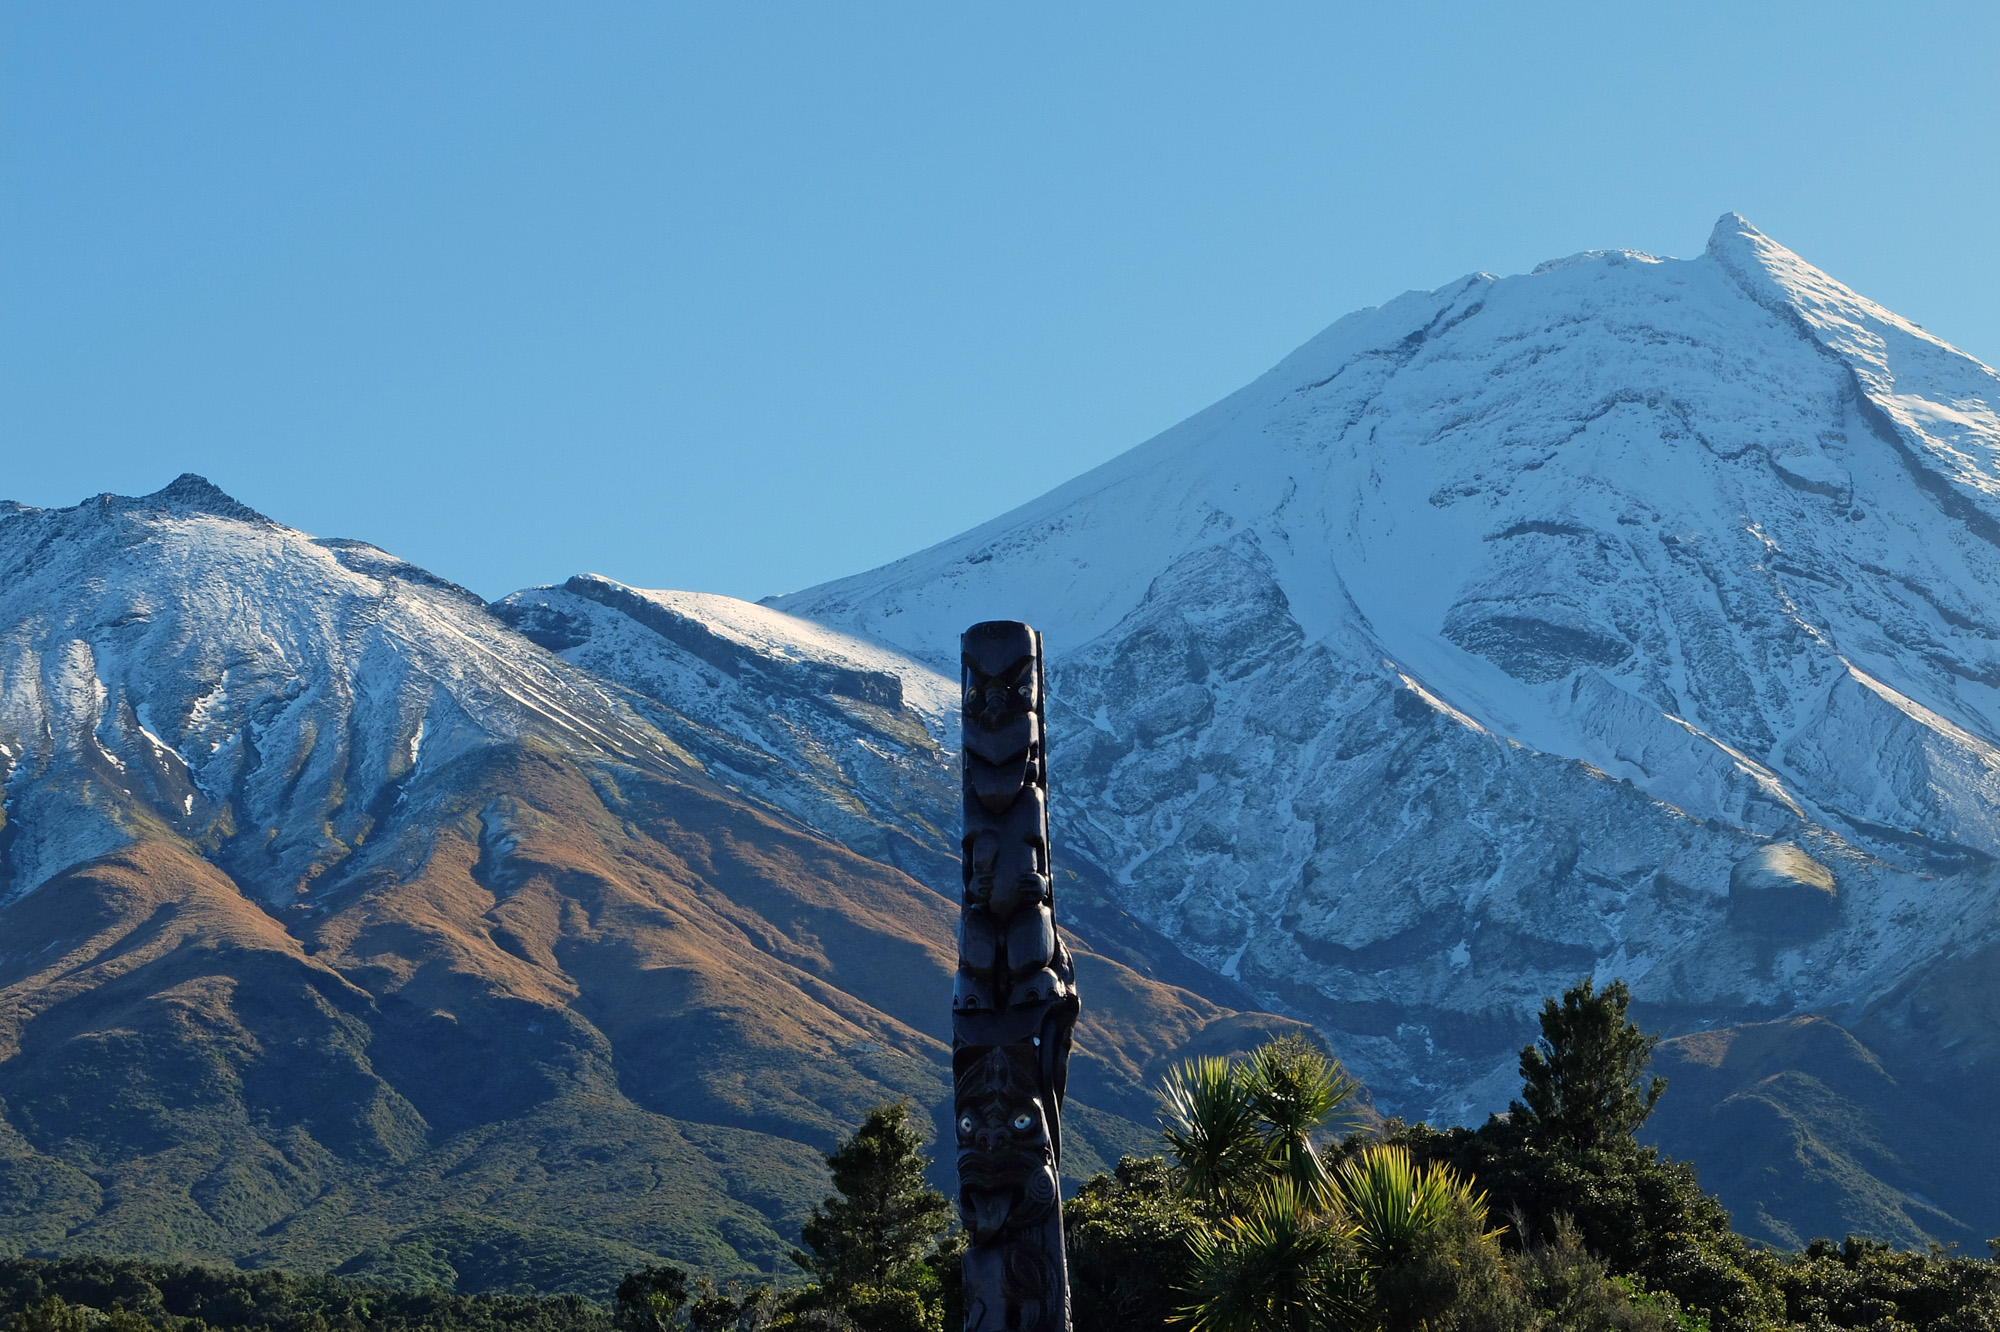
(1005, 687)
(1006, 1158)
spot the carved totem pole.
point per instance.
(1015, 1002)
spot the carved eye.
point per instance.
(1023, 691)
(1023, 1122)
(966, 1123)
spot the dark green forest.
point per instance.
(1260, 1215)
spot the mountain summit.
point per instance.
(1633, 616)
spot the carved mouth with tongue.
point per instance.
(985, 1212)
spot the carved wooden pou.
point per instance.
(1015, 1003)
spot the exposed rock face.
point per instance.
(1783, 893)
(1479, 643)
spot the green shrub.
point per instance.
(883, 1219)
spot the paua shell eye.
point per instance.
(966, 1124)
(1023, 1121)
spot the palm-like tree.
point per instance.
(1295, 1090)
(1420, 1234)
(1295, 1247)
(1392, 1204)
(1210, 1124)
(1283, 1266)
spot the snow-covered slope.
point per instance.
(179, 663)
(1634, 615)
(852, 739)
(855, 741)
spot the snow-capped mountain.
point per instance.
(1634, 615)
(342, 925)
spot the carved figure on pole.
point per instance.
(1015, 1003)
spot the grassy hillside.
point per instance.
(598, 1016)
(1802, 1129)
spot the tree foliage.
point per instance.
(1210, 1125)
(1392, 1203)
(1282, 1242)
(1129, 1235)
(1573, 1291)
(1862, 1283)
(1581, 1081)
(1295, 1090)
(649, 1300)
(884, 1219)
(1234, 1128)
(126, 1295)
(1283, 1264)
(1602, 1234)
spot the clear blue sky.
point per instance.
(742, 296)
